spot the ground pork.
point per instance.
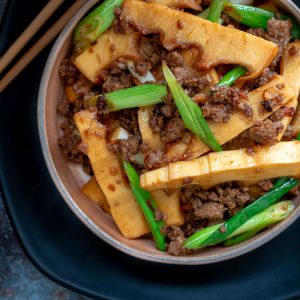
(128, 120)
(153, 159)
(69, 142)
(210, 211)
(293, 50)
(266, 75)
(278, 32)
(222, 101)
(115, 78)
(174, 59)
(265, 132)
(192, 82)
(68, 71)
(283, 112)
(175, 237)
(127, 148)
(231, 195)
(173, 130)
(151, 50)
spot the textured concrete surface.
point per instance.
(19, 279)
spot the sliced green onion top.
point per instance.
(272, 215)
(94, 24)
(241, 217)
(215, 10)
(231, 77)
(142, 95)
(253, 17)
(190, 112)
(147, 205)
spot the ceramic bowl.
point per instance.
(69, 178)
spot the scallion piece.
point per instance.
(93, 25)
(272, 215)
(215, 10)
(204, 14)
(190, 112)
(253, 17)
(142, 95)
(147, 205)
(281, 187)
(230, 77)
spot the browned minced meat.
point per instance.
(174, 59)
(266, 75)
(283, 112)
(153, 159)
(174, 129)
(210, 211)
(165, 120)
(69, 142)
(265, 132)
(68, 71)
(222, 101)
(202, 208)
(271, 101)
(127, 148)
(278, 32)
(232, 196)
(128, 120)
(151, 50)
(117, 77)
(293, 50)
(192, 82)
(175, 237)
(159, 215)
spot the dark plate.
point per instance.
(67, 252)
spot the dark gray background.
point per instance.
(19, 279)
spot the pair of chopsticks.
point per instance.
(29, 32)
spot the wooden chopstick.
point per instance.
(29, 32)
(40, 45)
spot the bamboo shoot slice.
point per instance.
(282, 159)
(217, 44)
(179, 4)
(238, 123)
(149, 137)
(290, 70)
(124, 208)
(170, 205)
(110, 46)
(94, 192)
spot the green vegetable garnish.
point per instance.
(241, 217)
(147, 205)
(230, 77)
(215, 10)
(273, 214)
(190, 112)
(269, 216)
(253, 17)
(93, 25)
(138, 96)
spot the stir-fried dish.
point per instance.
(184, 114)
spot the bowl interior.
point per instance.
(69, 178)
